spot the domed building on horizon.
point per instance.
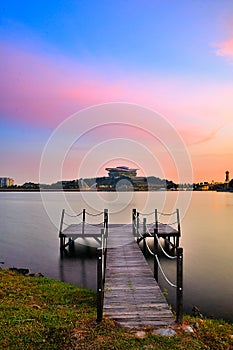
(120, 171)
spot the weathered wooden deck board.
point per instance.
(132, 296)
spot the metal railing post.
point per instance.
(99, 284)
(144, 232)
(104, 235)
(134, 214)
(178, 223)
(156, 221)
(179, 288)
(106, 220)
(83, 224)
(137, 233)
(156, 248)
(60, 230)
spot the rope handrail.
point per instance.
(146, 214)
(160, 267)
(159, 222)
(73, 216)
(164, 251)
(163, 273)
(167, 214)
(100, 213)
(159, 212)
(81, 212)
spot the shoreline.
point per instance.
(50, 314)
(25, 272)
(91, 191)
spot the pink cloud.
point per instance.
(41, 90)
(198, 136)
(44, 90)
(225, 48)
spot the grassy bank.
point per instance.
(40, 313)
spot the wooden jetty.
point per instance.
(132, 296)
(127, 291)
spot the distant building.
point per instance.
(121, 171)
(6, 182)
(221, 186)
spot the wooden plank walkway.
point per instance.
(132, 296)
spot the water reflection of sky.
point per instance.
(29, 239)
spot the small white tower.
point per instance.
(227, 176)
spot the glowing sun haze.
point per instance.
(175, 57)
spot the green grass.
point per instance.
(40, 313)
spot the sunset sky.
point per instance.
(171, 56)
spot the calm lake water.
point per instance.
(29, 238)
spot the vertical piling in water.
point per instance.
(134, 215)
(144, 233)
(156, 248)
(156, 270)
(137, 221)
(71, 245)
(83, 223)
(178, 224)
(99, 284)
(179, 288)
(106, 220)
(61, 237)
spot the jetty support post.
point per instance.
(156, 221)
(101, 268)
(138, 222)
(179, 288)
(104, 247)
(106, 221)
(178, 223)
(83, 223)
(156, 248)
(61, 236)
(144, 235)
(134, 215)
(99, 284)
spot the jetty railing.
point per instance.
(101, 251)
(67, 233)
(101, 267)
(157, 230)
